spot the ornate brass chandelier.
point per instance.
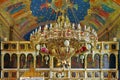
(63, 39)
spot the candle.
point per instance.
(114, 39)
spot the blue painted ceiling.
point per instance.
(44, 12)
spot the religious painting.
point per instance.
(14, 61)
(73, 74)
(106, 46)
(6, 60)
(90, 62)
(46, 74)
(30, 60)
(6, 46)
(97, 74)
(112, 61)
(13, 46)
(81, 74)
(22, 46)
(14, 74)
(113, 46)
(22, 61)
(6, 74)
(29, 46)
(97, 60)
(89, 74)
(105, 61)
(113, 74)
(39, 59)
(105, 74)
(77, 62)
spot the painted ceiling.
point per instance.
(27, 15)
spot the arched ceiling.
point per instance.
(26, 15)
(48, 10)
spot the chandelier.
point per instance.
(63, 39)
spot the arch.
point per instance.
(30, 60)
(39, 61)
(112, 61)
(7, 60)
(97, 60)
(90, 62)
(22, 60)
(105, 61)
(14, 61)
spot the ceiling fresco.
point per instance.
(27, 15)
(47, 10)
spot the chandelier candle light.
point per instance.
(63, 39)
